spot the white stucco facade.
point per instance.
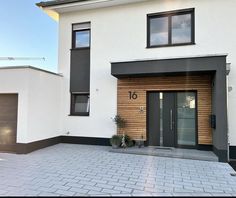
(119, 34)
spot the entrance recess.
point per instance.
(172, 119)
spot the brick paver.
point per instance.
(72, 170)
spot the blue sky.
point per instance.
(26, 31)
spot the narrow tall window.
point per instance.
(80, 70)
(171, 28)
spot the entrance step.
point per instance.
(170, 152)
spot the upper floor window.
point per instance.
(171, 28)
(81, 35)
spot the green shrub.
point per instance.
(116, 140)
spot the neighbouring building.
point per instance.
(167, 67)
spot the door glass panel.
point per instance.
(161, 119)
(186, 118)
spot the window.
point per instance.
(81, 35)
(80, 104)
(171, 28)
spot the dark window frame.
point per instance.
(169, 14)
(73, 44)
(72, 106)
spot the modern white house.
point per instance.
(166, 67)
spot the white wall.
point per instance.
(39, 103)
(119, 34)
(44, 105)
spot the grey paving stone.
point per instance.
(93, 188)
(87, 183)
(156, 190)
(101, 181)
(47, 194)
(109, 191)
(65, 193)
(82, 170)
(195, 189)
(221, 194)
(137, 187)
(76, 185)
(79, 190)
(183, 194)
(116, 184)
(96, 193)
(201, 194)
(162, 194)
(126, 181)
(45, 189)
(107, 186)
(123, 189)
(3, 192)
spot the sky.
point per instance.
(27, 31)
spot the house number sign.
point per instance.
(132, 95)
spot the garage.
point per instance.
(8, 122)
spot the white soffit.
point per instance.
(88, 5)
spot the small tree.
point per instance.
(121, 124)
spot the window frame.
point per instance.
(74, 36)
(72, 106)
(169, 14)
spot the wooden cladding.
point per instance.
(134, 109)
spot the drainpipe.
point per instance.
(228, 89)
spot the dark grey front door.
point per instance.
(172, 119)
(169, 119)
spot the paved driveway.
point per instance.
(76, 170)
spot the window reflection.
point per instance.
(181, 29)
(159, 31)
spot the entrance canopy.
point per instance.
(169, 66)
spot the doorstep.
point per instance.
(170, 152)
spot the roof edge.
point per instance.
(170, 58)
(55, 3)
(31, 67)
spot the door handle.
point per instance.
(171, 120)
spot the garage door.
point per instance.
(8, 121)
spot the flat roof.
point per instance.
(30, 67)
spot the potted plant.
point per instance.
(115, 141)
(121, 124)
(128, 141)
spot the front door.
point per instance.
(172, 119)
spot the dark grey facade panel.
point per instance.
(80, 70)
(167, 66)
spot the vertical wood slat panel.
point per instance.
(136, 119)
